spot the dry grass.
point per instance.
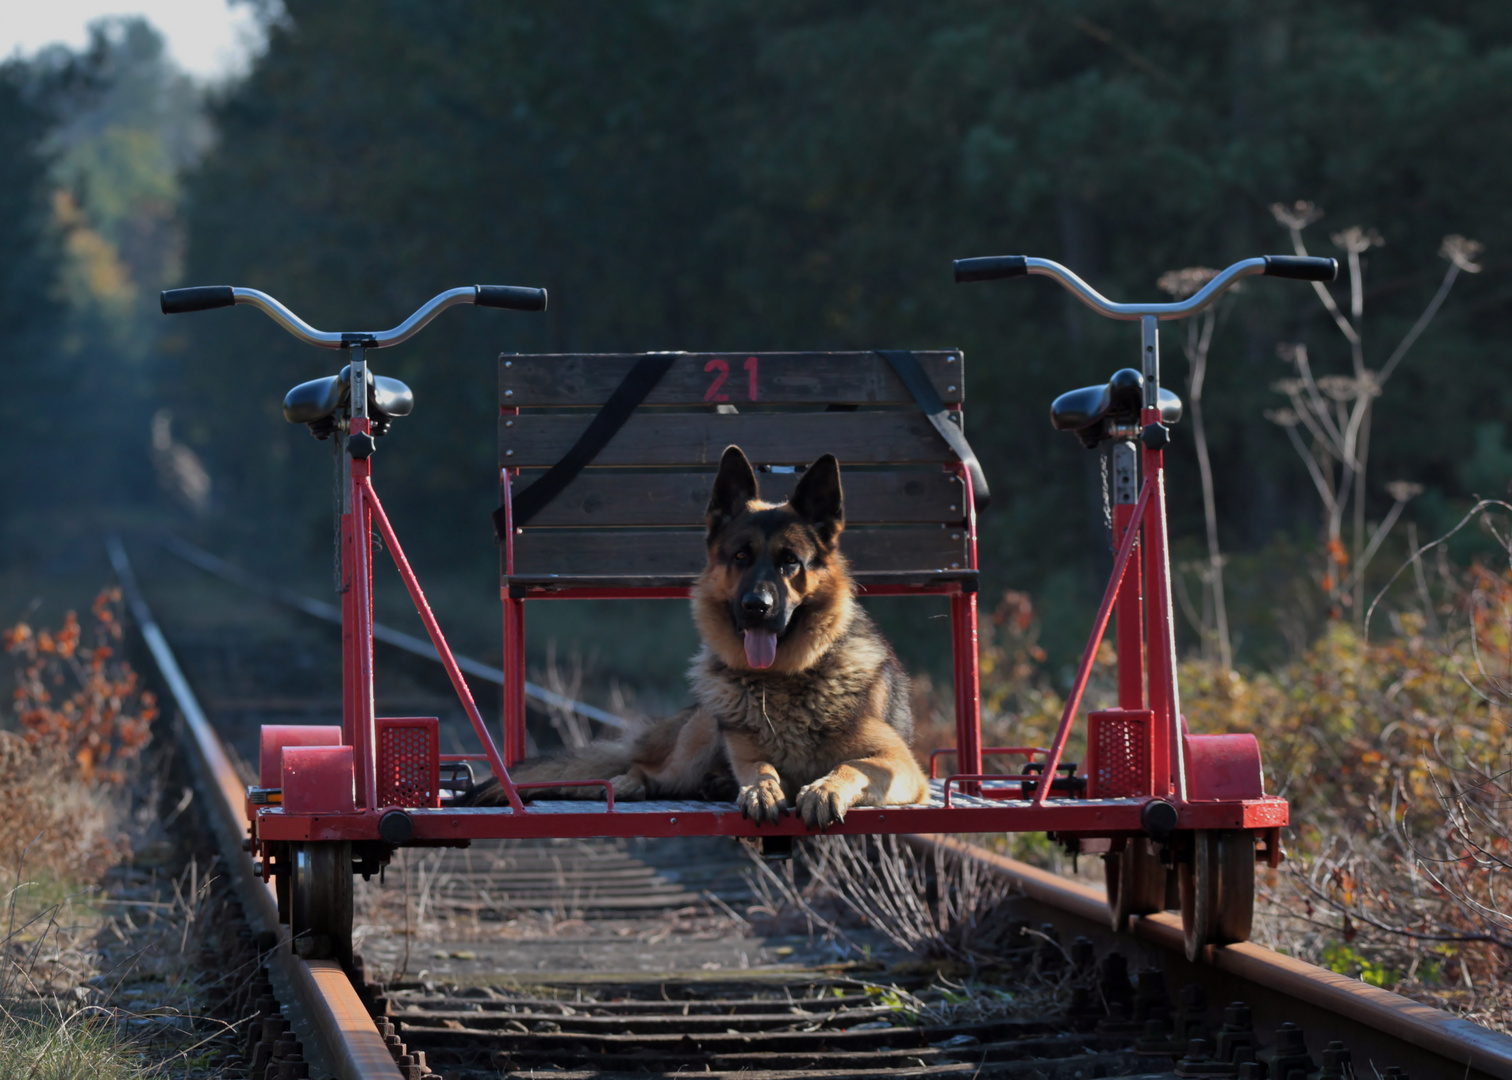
(104, 982)
(69, 827)
(936, 906)
(950, 914)
(98, 941)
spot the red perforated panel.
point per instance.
(409, 761)
(1118, 753)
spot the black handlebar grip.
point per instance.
(990, 268)
(513, 297)
(199, 298)
(1302, 267)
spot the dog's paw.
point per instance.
(628, 787)
(822, 804)
(761, 801)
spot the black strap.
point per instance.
(627, 396)
(908, 368)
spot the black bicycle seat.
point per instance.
(1092, 410)
(316, 402)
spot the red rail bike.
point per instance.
(1171, 812)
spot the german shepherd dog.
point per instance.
(800, 700)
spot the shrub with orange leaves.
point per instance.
(1393, 755)
(78, 697)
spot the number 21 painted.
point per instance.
(721, 370)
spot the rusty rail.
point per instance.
(349, 1038)
(1476, 1050)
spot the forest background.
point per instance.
(742, 175)
(781, 175)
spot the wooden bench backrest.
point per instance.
(637, 512)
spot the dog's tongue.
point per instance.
(761, 648)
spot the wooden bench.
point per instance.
(631, 523)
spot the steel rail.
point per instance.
(1469, 1046)
(416, 646)
(350, 1038)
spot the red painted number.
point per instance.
(723, 367)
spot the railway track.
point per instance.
(579, 959)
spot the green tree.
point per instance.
(798, 175)
(30, 261)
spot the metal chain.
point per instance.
(1104, 452)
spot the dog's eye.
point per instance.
(742, 557)
(789, 562)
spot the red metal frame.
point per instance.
(1137, 599)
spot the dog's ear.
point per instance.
(819, 500)
(734, 488)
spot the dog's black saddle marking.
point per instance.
(316, 402)
(1092, 410)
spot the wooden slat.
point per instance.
(781, 378)
(680, 553)
(525, 585)
(615, 497)
(536, 440)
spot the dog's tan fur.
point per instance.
(824, 728)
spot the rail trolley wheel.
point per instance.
(320, 900)
(1218, 889)
(1136, 882)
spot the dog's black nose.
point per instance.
(754, 603)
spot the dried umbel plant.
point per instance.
(1184, 283)
(1462, 252)
(1329, 419)
(1211, 622)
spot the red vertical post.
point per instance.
(361, 627)
(963, 625)
(513, 691)
(963, 619)
(514, 680)
(1130, 620)
(1160, 630)
(349, 662)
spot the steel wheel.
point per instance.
(1236, 885)
(1136, 882)
(1199, 893)
(1218, 889)
(279, 854)
(320, 900)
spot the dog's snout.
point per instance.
(755, 603)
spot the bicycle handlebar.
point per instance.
(1301, 268)
(206, 297)
(199, 298)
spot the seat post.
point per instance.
(1130, 611)
(358, 632)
